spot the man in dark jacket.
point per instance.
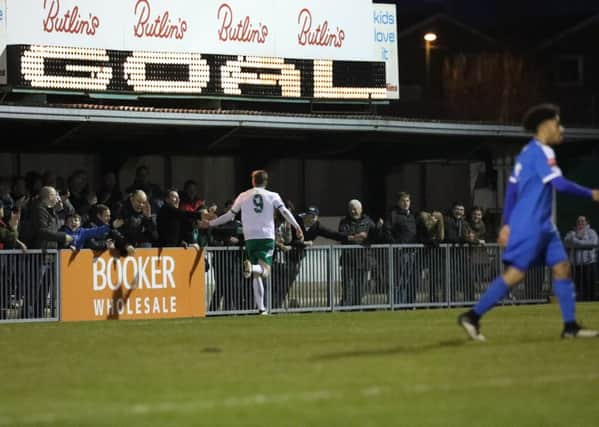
(312, 228)
(289, 256)
(457, 232)
(230, 288)
(139, 227)
(401, 227)
(457, 229)
(172, 220)
(45, 225)
(356, 263)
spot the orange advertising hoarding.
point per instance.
(152, 284)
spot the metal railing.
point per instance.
(337, 278)
(29, 286)
(585, 272)
(319, 278)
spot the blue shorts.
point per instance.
(534, 247)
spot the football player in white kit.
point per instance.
(257, 206)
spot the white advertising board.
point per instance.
(303, 29)
(385, 38)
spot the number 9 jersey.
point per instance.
(257, 207)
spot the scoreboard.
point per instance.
(281, 49)
(179, 73)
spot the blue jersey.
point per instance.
(535, 168)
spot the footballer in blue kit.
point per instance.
(529, 235)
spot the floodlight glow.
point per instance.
(430, 37)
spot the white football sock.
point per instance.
(258, 293)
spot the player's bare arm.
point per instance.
(504, 235)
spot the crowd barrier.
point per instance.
(29, 288)
(177, 282)
(337, 278)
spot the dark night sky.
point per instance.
(493, 10)
(509, 20)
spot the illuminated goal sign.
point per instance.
(94, 70)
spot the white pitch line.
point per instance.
(194, 406)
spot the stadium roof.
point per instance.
(254, 119)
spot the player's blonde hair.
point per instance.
(259, 178)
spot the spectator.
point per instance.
(6, 199)
(109, 193)
(45, 222)
(172, 221)
(432, 233)
(476, 227)
(356, 263)
(44, 227)
(64, 207)
(401, 228)
(49, 179)
(457, 232)
(401, 225)
(479, 260)
(33, 183)
(432, 228)
(80, 235)
(152, 191)
(582, 242)
(292, 251)
(456, 228)
(139, 227)
(312, 228)
(19, 192)
(285, 259)
(9, 231)
(113, 240)
(78, 191)
(190, 199)
(230, 286)
(11, 287)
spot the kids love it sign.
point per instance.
(152, 284)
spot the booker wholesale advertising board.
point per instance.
(152, 284)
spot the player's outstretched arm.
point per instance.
(596, 196)
(291, 220)
(223, 219)
(564, 185)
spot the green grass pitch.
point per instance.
(404, 368)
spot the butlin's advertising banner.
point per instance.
(331, 29)
(152, 284)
